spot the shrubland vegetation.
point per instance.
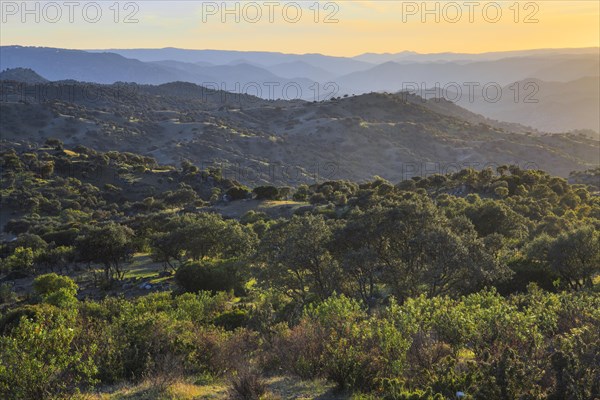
(263, 142)
(481, 282)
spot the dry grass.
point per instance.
(180, 390)
(279, 387)
(71, 153)
(276, 203)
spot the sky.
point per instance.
(341, 28)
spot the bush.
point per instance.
(39, 358)
(266, 193)
(238, 193)
(247, 384)
(21, 260)
(210, 276)
(47, 284)
(62, 298)
(6, 293)
(300, 350)
(233, 319)
(394, 389)
(301, 193)
(336, 339)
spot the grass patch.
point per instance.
(279, 387)
(285, 387)
(142, 267)
(277, 203)
(160, 280)
(144, 391)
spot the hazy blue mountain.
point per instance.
(411, 56)
(442, 106)
(182, 66)
(340, 65)
(234, 72)
(296, 69)
(570, 106)
(393, 76)
(547, 106)
(61, 64)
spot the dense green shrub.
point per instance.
(238, 193)
(232, 319)
(39, 358)
(45, 285)
(266, 193)
(211, 276)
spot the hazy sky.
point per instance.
(352, 27)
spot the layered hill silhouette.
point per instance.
(566, 100)
(574, 105)
(107, 68)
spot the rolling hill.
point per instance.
(287, 142)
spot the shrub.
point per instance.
(345, 345)
(394, 389)
(247, 384)
(21, 260)
(210, 276)
(47, 284)
(39, 358)
(198, 308)
(233, 319)
(301, 193)
(6, 293)
(62, 298)
(238, 193)
(266, 193)
(300, 350)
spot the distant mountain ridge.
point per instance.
(317, 77)
(341, 65)
(108, 68)
(412, 56)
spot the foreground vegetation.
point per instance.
(481, 284)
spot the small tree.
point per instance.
(575, 256)
(110, 245)
(56, 258)
(296, 259)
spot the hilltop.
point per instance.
(26, 75)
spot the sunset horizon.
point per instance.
(334, 28)
(108, 49)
